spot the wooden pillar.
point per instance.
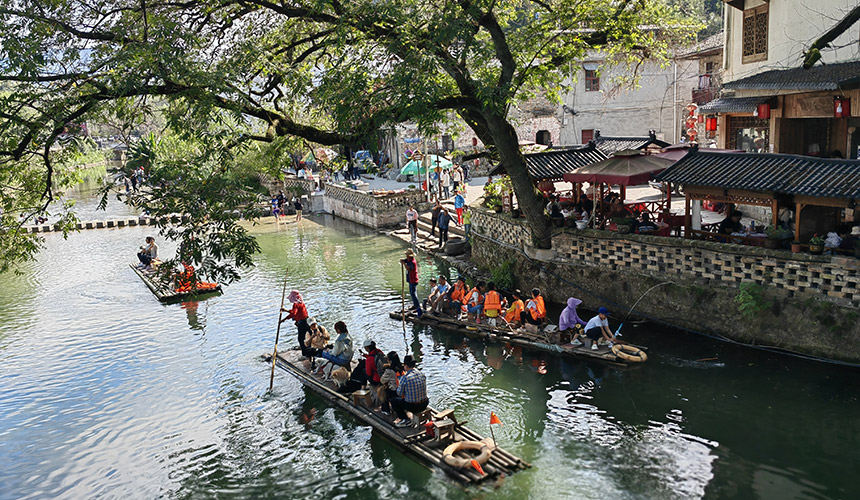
(623, 192)
(774, 207)
(799, 207)
(688, 221)
(669, 196)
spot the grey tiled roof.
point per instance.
(820, 77)
(713, 42)
(733, 105)
(764, 172)
(554, 164)
(609, 144)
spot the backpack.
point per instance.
(381, 361)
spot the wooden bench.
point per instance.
(445, 414)
(362, 396)
(419, 419)
(445, 429)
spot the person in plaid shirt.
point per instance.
(411, 393)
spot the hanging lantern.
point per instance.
(711, 124)
(474, 141)
(763, 111)
(841, 107)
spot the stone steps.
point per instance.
(93, 224)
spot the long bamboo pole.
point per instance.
(403, 303)
(278, 332)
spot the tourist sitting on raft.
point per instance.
(147, 254)
(535, 311)
(473, 302)
(455, 296)
(596, 329)
(374, 361)
(514, 312)
(492, 304)
(411, 393)
(391, 371)
(438, 295)
(317, 337)
(569, 323)
(341, 352)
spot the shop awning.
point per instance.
(552, 165)
(733, 105)
(630, 167)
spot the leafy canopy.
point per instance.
(226, 73)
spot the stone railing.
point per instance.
(834, 278)
(366, 208)
(300, 186)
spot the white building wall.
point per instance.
(792, 26)
(657, 103)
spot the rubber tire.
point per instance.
(455, 246)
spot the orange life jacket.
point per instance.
(541, 308)
(468, 296)
(515, 311)
(492, 301)
(458, 292)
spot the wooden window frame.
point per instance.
(758, 51)
(592, 83)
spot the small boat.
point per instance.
(440, 442)
(165, 293)
(537, 342)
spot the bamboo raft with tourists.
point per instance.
(166, 293)
(536, 342)
(438, 441)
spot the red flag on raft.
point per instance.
(478, 467)
(494, 419)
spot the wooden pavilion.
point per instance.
(817, 189)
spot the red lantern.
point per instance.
(841, 107)
(763, 111)
(701, 118)
(474, 141)
(711, 124)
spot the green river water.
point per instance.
(106, 393)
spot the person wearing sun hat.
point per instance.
(412, 278)
(598, 327)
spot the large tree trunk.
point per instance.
(531, 202)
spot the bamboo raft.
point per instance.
(166, 294)
(520, 338)
(425, 448)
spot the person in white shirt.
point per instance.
(412, 222)
(439, 295)
(597, 328)
(445, 180)
(457, 178)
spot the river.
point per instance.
(106, 393)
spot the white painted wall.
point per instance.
(792, 26)
(651, 105)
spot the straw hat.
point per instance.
(409, 252)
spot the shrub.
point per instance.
(751, 300)
(503, 275)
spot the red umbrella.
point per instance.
(629, 167)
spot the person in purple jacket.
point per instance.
(569, 322)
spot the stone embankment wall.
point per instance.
(802, 302)
(376, 211)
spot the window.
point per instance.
(447, 143)
(592, 80)
(755, 34)
(749, 134)
(543, 137)
(709, 68)
(587, 135)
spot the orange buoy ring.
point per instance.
(629, 353)
(485, 447)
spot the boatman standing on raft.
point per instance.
(299, 314)
(412, 278)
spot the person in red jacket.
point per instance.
(374, 361)
(299, 314)
(412, 278)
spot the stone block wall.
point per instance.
(807, 303)
(368, 209)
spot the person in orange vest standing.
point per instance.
(535, 309)
(492, 304)
(474, 301)
(514, 313)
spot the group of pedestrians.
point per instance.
(279, 206)
(441, 218)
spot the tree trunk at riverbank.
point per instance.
(531, 203)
